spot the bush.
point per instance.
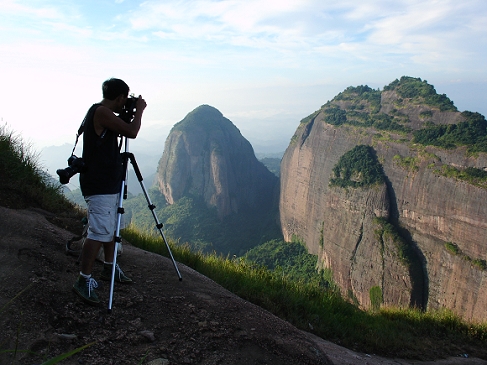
(335, 116)
(472, 133)
(452, 248)
(358, 167)
(421, 92)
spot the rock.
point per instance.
(426, 209)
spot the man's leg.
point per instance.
(88, 255)
(85, 285)
(109, 250)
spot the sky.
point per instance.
(265, 64)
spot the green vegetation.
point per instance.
(425, 115)
(291, 259)
(420, 92)
(362, 110)
(310, 117)
(358, 167)
(407, 333)
(407, 163)
(308, 305)
(472, 133)
(335, 116)
(191, 221)
(387, 231)
(23, 183)
(453, 249)
(272, 164)
(376, 298)
(361, 97)
(471, 175)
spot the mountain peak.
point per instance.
(204, 116)
(206, 155)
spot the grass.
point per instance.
(23, 183)
(395, 332)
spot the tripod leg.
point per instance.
(152, 207)
(115, 250)
(117, 231)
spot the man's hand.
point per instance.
(141, 104)
(105, 119)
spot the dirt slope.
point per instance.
(158, 320)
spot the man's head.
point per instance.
(113, 88)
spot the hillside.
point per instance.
(158, 320)
(388, 189)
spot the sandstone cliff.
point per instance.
(205, 155)
(417, 238)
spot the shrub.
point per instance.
(452, 248)
(376, 299)
(358, 167)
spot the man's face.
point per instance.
(122, 101)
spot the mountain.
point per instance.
(388, 188)
(206, 155)
(210, 169)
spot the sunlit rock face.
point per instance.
(415, 239)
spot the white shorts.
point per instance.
(102, 216)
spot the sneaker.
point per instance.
(106, 274)
(85, 288)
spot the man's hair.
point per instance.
(112, 88)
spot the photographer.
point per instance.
(101, 181)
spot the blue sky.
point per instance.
(264, 64)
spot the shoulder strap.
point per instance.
(81, 128)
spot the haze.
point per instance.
(264, 64)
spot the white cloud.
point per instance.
(250, 58)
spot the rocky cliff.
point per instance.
(205, 155)
(412, 237)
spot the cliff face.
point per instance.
(415, 239)
(206, 155)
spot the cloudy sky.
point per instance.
(265, 64)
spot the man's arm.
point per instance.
(105, 119)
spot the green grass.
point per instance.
(396, 332)
(393, 332)
(23, 183)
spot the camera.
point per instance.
(75, 165)
(129, 109)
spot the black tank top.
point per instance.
(102, 158)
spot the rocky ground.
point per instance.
(157, 320)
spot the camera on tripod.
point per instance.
(129, 109)
(75, 165)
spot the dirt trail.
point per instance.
(158, 320)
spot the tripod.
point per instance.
(126, 156)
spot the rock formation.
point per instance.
(417, 237)
(206, 155)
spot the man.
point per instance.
(101, 182)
